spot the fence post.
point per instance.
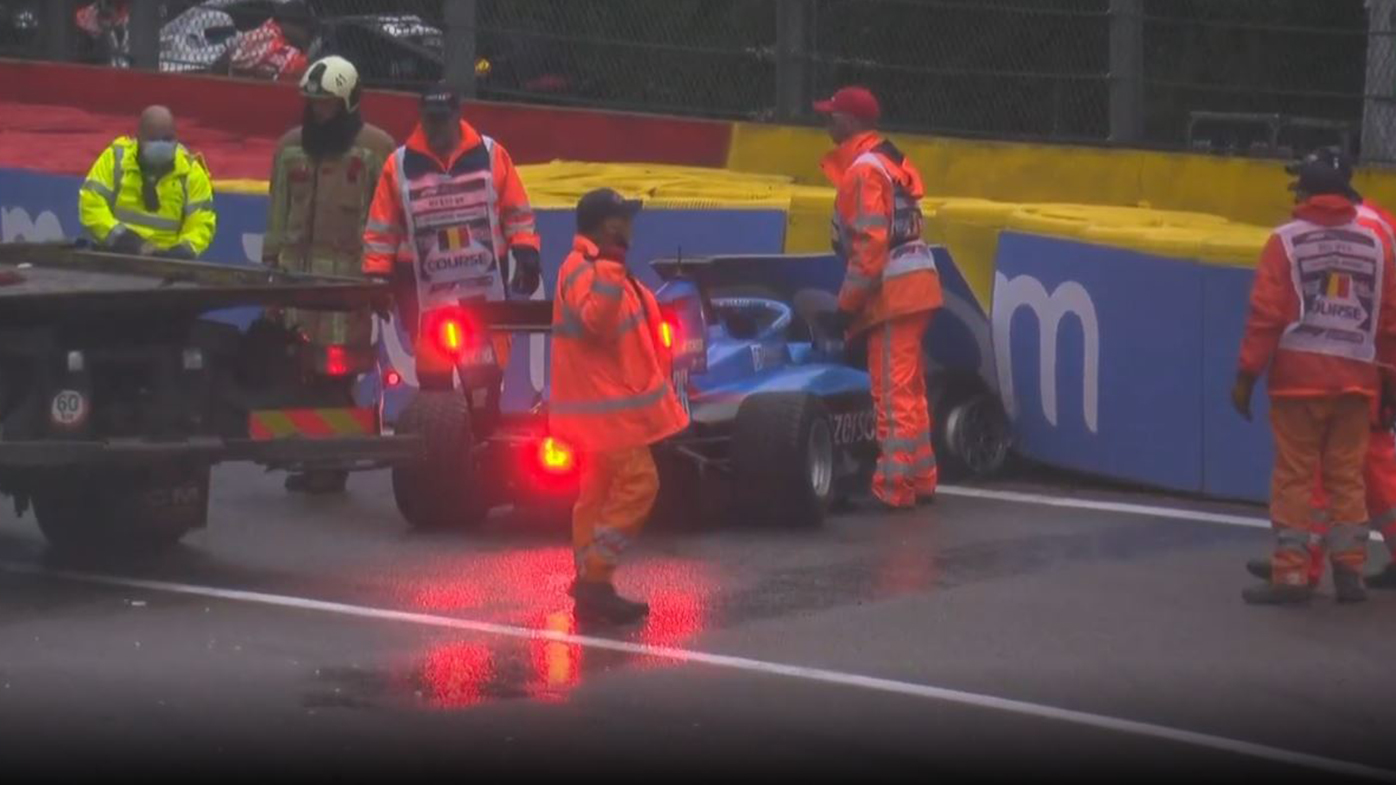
(1379, 95)
(1126, 70)
(144, 34)
(460, 45)
(792, 58)
(58, 25)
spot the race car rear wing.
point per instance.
(517, 316)
(778, 275)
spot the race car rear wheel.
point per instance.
(441, 488)
(121, 509)
(783, 459)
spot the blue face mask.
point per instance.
(158, 153)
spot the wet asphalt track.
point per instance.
(880, 644)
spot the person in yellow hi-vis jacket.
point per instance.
(148, 194)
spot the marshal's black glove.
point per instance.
(180, 252)
(1386, 411)
(1241, 392)
(528, 270)
(836, 322)
(127, 242)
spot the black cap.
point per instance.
(596, 206)
(440, 99)
(1326, 170)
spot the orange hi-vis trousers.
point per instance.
(1379, 475)
(617, 490)
(906, 465)
(1328, 436)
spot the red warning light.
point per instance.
(556, 456)
(450, 335)
(336, 361)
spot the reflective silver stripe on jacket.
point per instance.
(606, 289)
(571, 325)
(101, 190)
(136, 218)
(613, 404)
(915, 257)
(907, 443)
(572, 278)
(117, 154)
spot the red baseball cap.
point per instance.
(856, 102)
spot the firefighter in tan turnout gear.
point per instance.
(322, 182)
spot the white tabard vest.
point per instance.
(453, 224)
(907, 253)
(1337, 274)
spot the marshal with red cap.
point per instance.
(854, 101)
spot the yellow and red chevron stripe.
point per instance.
(267, 424)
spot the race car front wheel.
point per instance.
(973, 436)
(440, 489)
(782, 459)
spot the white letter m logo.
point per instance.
(1069, 298)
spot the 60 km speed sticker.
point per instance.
(69, 409)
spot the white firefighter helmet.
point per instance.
(332, 77)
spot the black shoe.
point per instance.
(317, 482)
(1347, 586)
(925, 498)
(599, 602)
(1262, 569)
(1276, 594)
(1386, 579)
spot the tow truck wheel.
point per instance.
(121, 509)
(440, 489)
(783, 459)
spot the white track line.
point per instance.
(819, 675)
(1145, 510)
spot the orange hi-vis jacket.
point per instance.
(1323, 304)
(877, 230)
(610, 376)
(451, 222)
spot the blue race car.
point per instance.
(971, 431)
(781, 427)
(782, 423)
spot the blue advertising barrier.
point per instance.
(1120, 363)
(38, 207)
(1237, 454)
(1099, 358)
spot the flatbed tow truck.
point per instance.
(118, 394)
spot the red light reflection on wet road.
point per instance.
(457, 674)
(528, 588)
